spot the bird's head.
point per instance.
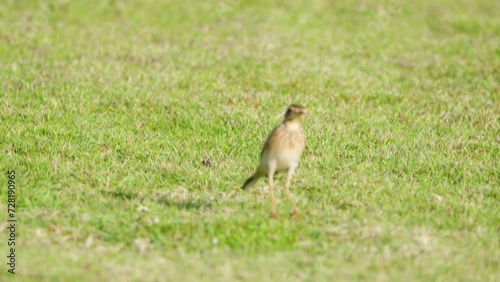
(295, 113)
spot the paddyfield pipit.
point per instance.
(281, 153)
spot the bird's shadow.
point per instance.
(164, 200)
(183, 204)
(120, 195)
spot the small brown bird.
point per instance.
(282, 152)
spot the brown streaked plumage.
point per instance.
(281, 152)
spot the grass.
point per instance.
(110, 109)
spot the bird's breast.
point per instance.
(285, 151)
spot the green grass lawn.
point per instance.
(109, 108)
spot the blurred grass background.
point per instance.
(110, 108)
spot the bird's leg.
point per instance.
(272, 169)
(287, 190)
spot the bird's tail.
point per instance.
(251, 181)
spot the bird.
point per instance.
(281, 153)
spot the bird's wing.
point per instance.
(271, 139)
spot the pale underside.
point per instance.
(283, 148)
